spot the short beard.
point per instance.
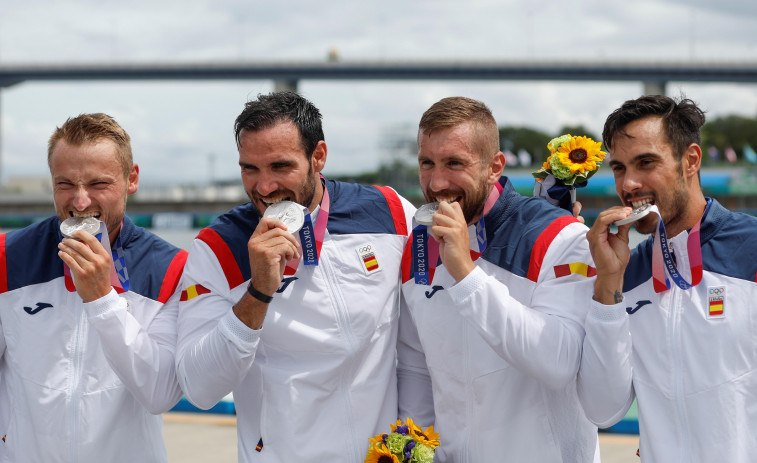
(304, 196)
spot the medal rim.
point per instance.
(282, 206)
(636, 215)
(422, 212)
(85, 223)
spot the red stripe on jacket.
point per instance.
(395, 208)
(172, 276)
(224, 255)
(542, 244)
(3, 266)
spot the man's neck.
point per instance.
(318, 196)
(694, 211)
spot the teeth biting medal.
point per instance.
(637, 214)
(89, 224)
(425, 214)
(288, 212)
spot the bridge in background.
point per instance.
(654, 75)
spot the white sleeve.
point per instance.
(413, 380)
(2, 340)
(215, 349)
(142, 358)
(604, 384)
(542, 339)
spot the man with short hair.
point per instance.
(88, 324)
(301, 327)
(495, 328)
(671, 325)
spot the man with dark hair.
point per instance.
(88, 323)
(301, 326)
(495, 328)
(670, 322)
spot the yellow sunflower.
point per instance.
(580, 154)
(379, 453)
(379, 439)
(546, 164)
(428, 437)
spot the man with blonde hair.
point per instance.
(87, 321)
(495, 284)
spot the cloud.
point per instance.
(178, 127)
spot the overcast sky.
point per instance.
(182, 131)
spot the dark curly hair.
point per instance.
(682, 120)
(277, 107)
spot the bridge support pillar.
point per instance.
(654, 87)
(285, 85)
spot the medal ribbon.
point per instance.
(662, 259)
(311, 237)
(119, 275)
(426, 248)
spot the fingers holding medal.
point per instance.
(85, 256)
(636, 214)
(446, 223)
(273, 243)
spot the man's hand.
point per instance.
(270, 247)
(610, 253)
(90, 265)
(577, 206)
(451, 231)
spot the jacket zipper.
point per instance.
(343, 321)
(468, 394)
(76, 383)
(676, 299)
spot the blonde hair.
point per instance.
(452, 111)
(91, 128)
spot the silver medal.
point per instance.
(288, 212)
(637, 214)
(89, 224)
(425, 214)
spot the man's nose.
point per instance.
(81, 199)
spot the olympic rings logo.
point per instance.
(364, 249)
(716, 291)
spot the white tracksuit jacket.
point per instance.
(503, 346)
(694, 374)
(318, 380)
(85, 382)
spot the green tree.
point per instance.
(531, 140)
(734, 131)
(578, 131)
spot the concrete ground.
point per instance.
(203, 437)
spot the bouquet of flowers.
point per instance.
(407, 443)
(572, 161)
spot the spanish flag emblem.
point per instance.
(193, 291)
(716, 302)
(576, 267)
(370, 262)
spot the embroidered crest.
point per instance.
(369, 261)
(716, 302)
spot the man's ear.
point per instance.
(133, 180)
(496, 167)
(318, 160)
(691, 160)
